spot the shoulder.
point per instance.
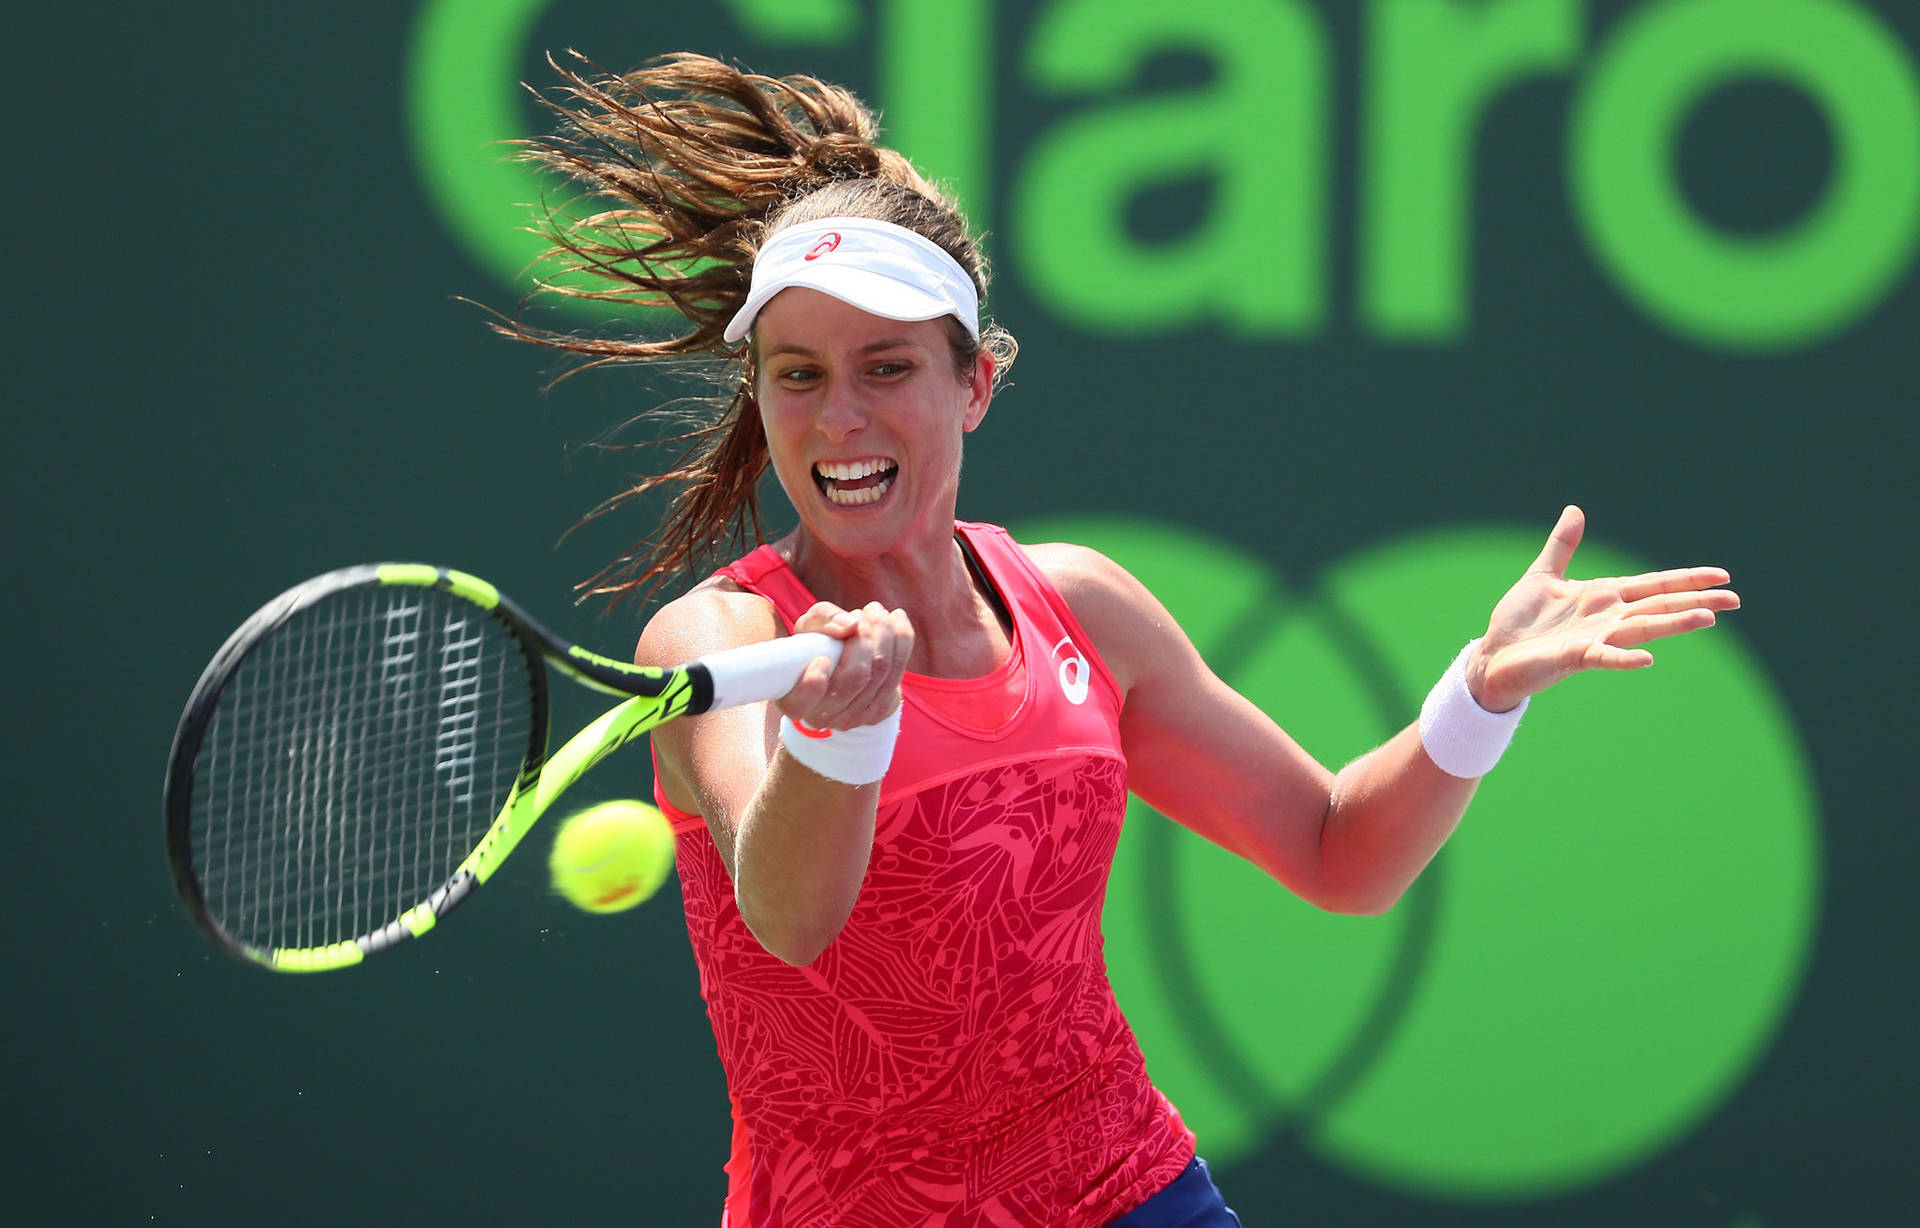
(1126, 621)
(715, 614)
(1082, 575)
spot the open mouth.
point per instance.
(855, 483)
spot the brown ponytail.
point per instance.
(696, 163)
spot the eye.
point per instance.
(891, 366)
(797, 377)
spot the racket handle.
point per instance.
(755, 673)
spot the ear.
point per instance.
(979, 391)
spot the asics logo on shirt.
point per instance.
(1074, 674)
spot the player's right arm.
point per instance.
(795, 843)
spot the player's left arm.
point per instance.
(1205, 756)
(1351, 841)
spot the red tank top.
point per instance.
(955, 1057)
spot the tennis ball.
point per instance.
(609, 857)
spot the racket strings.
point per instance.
(355, 759)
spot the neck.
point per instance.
(956, 631)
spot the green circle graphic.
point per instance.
(1808, 280)
(461, 104)
(1590, 967)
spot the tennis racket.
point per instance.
(368, 747)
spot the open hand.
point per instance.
(1548, 627)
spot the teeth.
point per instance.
(857, 498)
(833, 475)
(847, 471)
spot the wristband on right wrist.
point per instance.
(1462, 738)
(851, 756)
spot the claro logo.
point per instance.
(1261, 133)
(1590, 967)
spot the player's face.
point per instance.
(864, 419)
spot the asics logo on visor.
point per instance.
(877, 266)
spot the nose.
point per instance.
(841, 416)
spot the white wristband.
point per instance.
(851, 756)
(1460, 736)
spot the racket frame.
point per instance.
(654, 695)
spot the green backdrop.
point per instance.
(1326, 309)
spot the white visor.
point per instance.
(880, 268)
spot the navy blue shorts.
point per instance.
(1190, 1202)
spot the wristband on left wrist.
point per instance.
(1462, 738)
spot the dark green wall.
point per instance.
(238, 361)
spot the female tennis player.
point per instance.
(893, 877)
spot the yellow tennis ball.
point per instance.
(612, 856)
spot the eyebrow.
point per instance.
(885, 343)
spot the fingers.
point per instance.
(828, 618)
(1635, 631)
(1603, 655)
(864, 687)
(1561, 543)
(1674, 603)
(1677, 580)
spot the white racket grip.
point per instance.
(755, 673)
